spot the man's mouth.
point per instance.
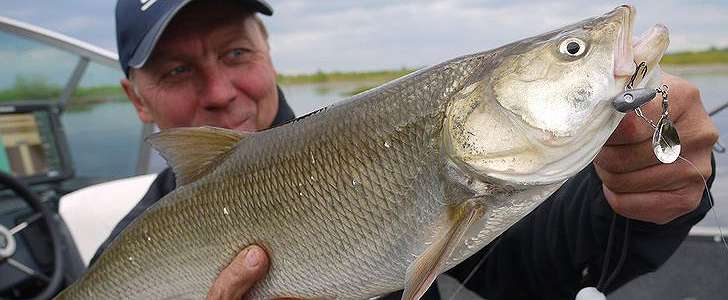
(243, 122)
(247, 124)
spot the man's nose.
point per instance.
(218, 90)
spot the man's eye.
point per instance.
(236, 53)
(178, 70)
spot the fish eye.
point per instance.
(572, 47)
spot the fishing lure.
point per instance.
(665, 138)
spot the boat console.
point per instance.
(33, 147)
(37, 254)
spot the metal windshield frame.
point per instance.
(87, 53)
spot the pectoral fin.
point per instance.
(423, 271)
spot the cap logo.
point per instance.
(146, 4)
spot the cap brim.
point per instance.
(262, 7)
(146, 46)
(144, 50)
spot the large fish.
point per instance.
(388, 189)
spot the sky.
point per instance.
(336, 35)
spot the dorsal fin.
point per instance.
(192, 152)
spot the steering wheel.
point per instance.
(8, 236)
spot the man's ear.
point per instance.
(141, 106)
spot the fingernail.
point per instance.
(252, 258)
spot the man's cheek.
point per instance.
(178, 114)
(257, 80)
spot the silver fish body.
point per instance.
(383, 191)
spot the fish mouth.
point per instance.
(629, 53)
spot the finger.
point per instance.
(626, 158)
(655, 207)
(662, 177)
(632, 129)
(697, 129)
(697, 134)
(248, 267)
(683, 96)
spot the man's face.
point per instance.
(210, 67)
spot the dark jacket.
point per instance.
(550, 254)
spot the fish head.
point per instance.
(544, 108)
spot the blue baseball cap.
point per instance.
(140, 23)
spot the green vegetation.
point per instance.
(32, 88)
(38, 88)
(98, 91)
(360, 89)
(321, 77)
(711, 56)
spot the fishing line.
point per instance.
(602, 284)
(622, 258)
(705, 182)
(608, 255)
(664, 124)
(710, 200)
(477, 266)
(663, 91)
(707, 190)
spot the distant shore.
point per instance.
(320, 77)
(384, 76)
(706, 57)
(708, 61)
(372, 79)
(696, 69)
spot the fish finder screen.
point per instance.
(27, 145)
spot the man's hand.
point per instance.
(244, 271)
(636, 184)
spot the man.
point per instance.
(193, 63)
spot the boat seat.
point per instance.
(92, 212)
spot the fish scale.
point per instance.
(360, 162)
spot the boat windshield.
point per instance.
(103, 132)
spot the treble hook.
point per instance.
(641, 67)
(632, 99)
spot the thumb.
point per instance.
(248, 267)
